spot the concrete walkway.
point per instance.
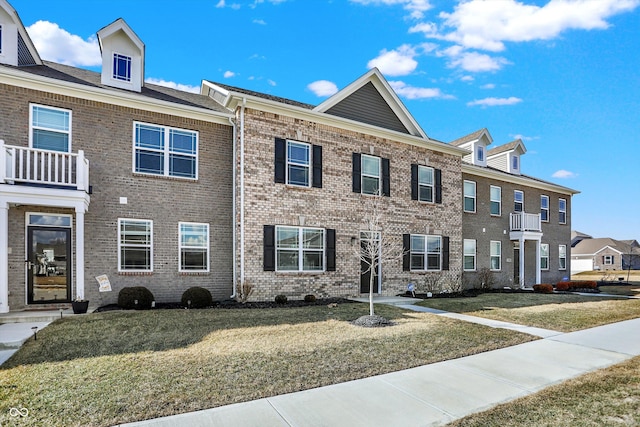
(435, 394)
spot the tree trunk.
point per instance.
(371, 280)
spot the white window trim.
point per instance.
(181, 247)
(28, 222)
(301, 249)
(480, 153)
(474, 255)
(31, 127)
(120, 245)
(499, 255)
(499, 201)
(425, 253)
(560, 257)
(113, 70)
(515, 200)
(363, 175)
(432, 185)
(515, 162)
(1, 41)
(560, 200)
(474, 197)
(608, 260)
(166, 151)
(542, 256)
(544, 197)
(309, 166)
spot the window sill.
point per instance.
(300, 273)
(170, 178)
(135, 273)
(194, 273)
(426, 271)
(298, 187)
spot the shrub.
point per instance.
(543, 288)
(583, 284)
(127, 298)
(199, 297)
(310, 298)
(243, 291)
(486, 278)
(280, 299)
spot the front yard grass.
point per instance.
(608, 397)
(559, 312)
(115, 367)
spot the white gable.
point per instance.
(477, 147)
(508, 157)
(122, 57)
(16, 47)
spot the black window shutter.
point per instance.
(386, 178)
(445, 253)
(269, 248)
(330, 250)
(280, 160)
(414, 181)
(406, 254)
(356, 173)
(438, 178)
(316, 180)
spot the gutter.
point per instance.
(234, 209)
(244, 102)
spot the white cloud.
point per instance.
(173, 85)
(259, 21)
(271, 82)
(486, 25)
(412, 92)
(523, 137)
(416, 8)
(323, 88)
(488, 86)
(473, 62)
(467, 78)
(492, 102)
(396, 62)
(58, 45)
(220, 4)
(564, 174)
(228, 74)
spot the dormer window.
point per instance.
(480, 153)
(514, 163)
(121, 67)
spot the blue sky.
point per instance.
(563, 75)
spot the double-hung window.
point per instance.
(469, 196)
(495, 250)
(480, 153)
(166, 151)
(426, 253)
(299, 249)
(194, 247)
(562, 257)
(298, 163)
(514, 163)
(371, 175)
(469, 255)
(544, 208)
(518, 201)
(135, 245)
(425, 184)
(121, 67)
(544, 256)
(495, 195)
(50, 128)
(608, 260)
(562, 211)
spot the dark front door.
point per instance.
(516, 266)
(365, 265)
(49, 265)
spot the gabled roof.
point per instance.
(593, 246)
(27, 53)
(576, 233)
(508, 147)
(370, 99)
(227, 89)
(120, 25)
(475, 136)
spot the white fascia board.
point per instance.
(610, 247)
(23, 32)
(42, 196)
(516, 179)
(274, 107)
(18, 78)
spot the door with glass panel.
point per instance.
(48, 264)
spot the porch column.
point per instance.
(538, 263)
(4, 257)
(521, 261)
(79, 253)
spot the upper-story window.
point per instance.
(162, 150)
(469, 196)
(495, 194)
(50, 128)
(544, 208)
(518, 201)
(514, 162)
(425, 184)
(480, 153)
(121, 67)
(298, 163)
(371, 175)
(562, 211)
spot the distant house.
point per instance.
(603, 254)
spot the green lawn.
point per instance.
(108, 368)
(560, 312)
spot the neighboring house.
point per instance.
(102, 173)
(517, 226)
(577, 237)
(605, 254)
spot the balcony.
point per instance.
(521, 221)
(42, 168)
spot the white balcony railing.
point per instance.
(521, 221)
(23, 165)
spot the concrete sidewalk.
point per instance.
(433, 394)
(13, 335)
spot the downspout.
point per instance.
(244, 102)
(233, 208)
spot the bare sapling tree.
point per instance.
(377, 245)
